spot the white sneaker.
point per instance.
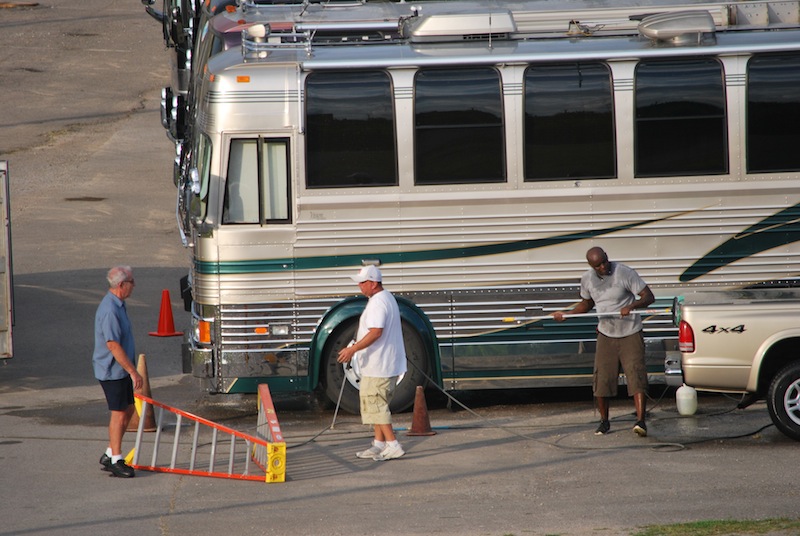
(370, 453)
(389, 453)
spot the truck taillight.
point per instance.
(685, 337)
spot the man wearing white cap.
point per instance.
(382, 359)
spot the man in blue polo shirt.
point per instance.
(114, 367)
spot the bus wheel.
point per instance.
(783, 401)
(418, 365)
(336, 373)
(333, 373)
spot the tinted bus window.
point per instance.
(680, 118)
(569, 122)
(458, 120)
(773, 113)
(350, 130)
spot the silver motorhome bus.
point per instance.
(475, 151)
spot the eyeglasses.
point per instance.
(131, 281)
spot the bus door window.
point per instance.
(257, 188)
(458, 126)
(773, 113)
(569, 122)
(680, 118)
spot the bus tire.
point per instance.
(334, 372)
(783, 401)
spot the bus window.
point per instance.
(773, 113)
(680, 118)
(569, 122)
(276, 191)
(257, 186)
(458, 125)
(241, 187)
(350, 130)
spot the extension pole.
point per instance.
(338, 402)
(520, 319)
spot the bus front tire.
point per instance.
(334, 373)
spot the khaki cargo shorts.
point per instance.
(626, 353)
(375, 395)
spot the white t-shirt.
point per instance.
(386, 357)
(610, 294)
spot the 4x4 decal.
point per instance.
(713, 329)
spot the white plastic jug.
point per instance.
(686, 399)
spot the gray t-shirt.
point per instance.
(610, 294)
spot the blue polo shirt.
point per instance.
(111, 323)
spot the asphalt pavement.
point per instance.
(91, 187)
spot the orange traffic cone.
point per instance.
(149, 418)
(421, 424)
(166, 327)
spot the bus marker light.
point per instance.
(204, 329)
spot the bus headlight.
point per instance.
(280, 329)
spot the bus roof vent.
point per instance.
(679, 28)
(461, 27)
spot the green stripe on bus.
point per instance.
(336, 261)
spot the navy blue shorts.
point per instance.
(119, 393)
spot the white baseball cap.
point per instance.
(367, 273)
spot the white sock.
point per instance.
(394, 443)
(380, 444)
(108, 452)
(116, 458)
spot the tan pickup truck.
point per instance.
(744, 341)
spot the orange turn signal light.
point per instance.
(204, 332)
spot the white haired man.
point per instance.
(114, 367)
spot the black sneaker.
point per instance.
(122, 470)
(640, 429)
(105, 461)
(603, 429)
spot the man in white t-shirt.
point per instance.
(382, 359)
(611, 287)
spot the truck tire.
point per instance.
(783, 401)
(334, 373)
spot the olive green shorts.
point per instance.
(625, 353)
(375, 395)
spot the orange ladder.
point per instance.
(263, 457)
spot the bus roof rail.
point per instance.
(260, 39)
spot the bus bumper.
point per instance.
(197, 361)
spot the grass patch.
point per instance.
(722, 528)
